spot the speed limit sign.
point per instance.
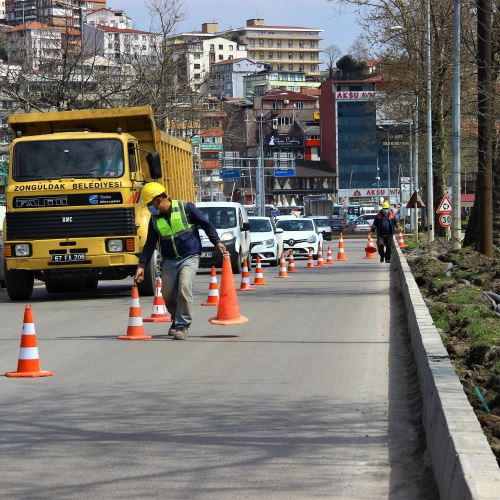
(445, 219)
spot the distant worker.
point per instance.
(174, 223)
(385, 226)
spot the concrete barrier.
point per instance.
(463, 463)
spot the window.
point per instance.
(301, 43)
(290, 55)
(298, 105)
(252, 43)
(277, 104)
(197, 66)
(269, 43)
(221, 57)
(285, 120)
(212, 46)
(270, 55)
(231, 57)
(197, 55)
(290, 67)
(230, 47)
(197, 76)
(252, 54)
(261, 43)
(221, 47)
(278, 43)
(290, 43)
(301, 56)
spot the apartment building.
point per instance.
(33, 43)
(226, 77)
(120, 44)
(290, 48)
(62, 13)
(2, 11)
(109, 17)
(265, 81)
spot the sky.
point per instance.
(340, 28)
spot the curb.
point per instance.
(463, 463)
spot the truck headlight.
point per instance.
(311, 239)
(22, 250)
(115, 246)
(227, 236)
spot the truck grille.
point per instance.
(70, 223)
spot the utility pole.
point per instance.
(415, 164)
(388, 165)
(456, 224)
(430, 180)
(259, 181)
(485, 147)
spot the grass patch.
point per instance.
(440, 283)
(483, 331)
(469, 295)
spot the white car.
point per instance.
(300, 235)
(267, 240)
(231, 221)
(363, 223)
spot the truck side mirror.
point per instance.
(154, 163)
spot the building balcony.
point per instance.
(283, 36)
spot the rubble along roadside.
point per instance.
(462, 291)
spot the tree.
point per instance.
(332, 53)
(350, 68)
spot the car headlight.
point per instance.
(311, 239)
(22, 250)
(115, 246)
(268, 243)
(227, 236)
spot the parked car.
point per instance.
(231, 221)
(266, 240)
(323, 224)
(338, 224)
(363, 223)
(2, 262)
(300, 234)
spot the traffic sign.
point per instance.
(229, 175)
(445, 219)
(445, 205)
(284, 172)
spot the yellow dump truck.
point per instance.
(75, 177)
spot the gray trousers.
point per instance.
(177, 288)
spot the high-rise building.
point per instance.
(62, 13)
(289, 48)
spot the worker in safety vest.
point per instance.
(385, 225)
(174, 224)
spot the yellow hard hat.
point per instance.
(150, 191)
(386, 204)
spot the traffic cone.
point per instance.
(291, 263)
(341, 253)
(159, 313)
(228, 311)
(321, 261)
(135, 328)
(329, 256)
(401, 241)
(259, 275)
(28, 364)
(310, 260)
(245, 279)
(370, 249)
(282, 272)
(213, 290)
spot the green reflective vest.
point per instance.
(178, 222)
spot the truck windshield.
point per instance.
(84, 158)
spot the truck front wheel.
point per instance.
(147, 287)
(19, 284)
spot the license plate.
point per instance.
(206, 255)
(69, 257)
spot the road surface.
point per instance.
(315, 397)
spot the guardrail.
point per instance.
(463, 463)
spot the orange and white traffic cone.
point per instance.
(321, 261)
(329, 256)
(310, 260)
(245, 279)
(291, 263)
(135, 328)
(228, 310)
(159, 313)
(341, 252)
(370, 249)
(401, 241)
(28, 364)
(282, 272)
(259, 275)
(213, 290)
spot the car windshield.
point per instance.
(65, 159)
(220, 217)
(260, 226)
(322, 222)
(296, 225)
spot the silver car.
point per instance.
(2, 263)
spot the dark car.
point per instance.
(338, 224)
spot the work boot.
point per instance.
(172, 330)
(181, 333)
(381, 259)
(388, 261)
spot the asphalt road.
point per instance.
(314, 397)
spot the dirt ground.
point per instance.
(452, 284)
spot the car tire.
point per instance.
(236, 263)
(19, 284)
